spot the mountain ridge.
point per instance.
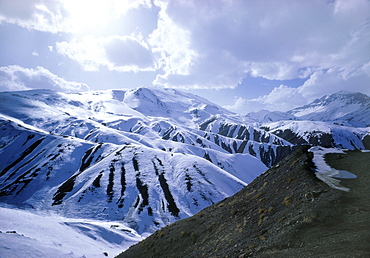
(284, 212)
(149, 156)
(344, 107)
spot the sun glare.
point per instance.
(93, 16)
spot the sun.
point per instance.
(93, 16)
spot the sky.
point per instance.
(245, 55)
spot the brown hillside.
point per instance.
(285, 212)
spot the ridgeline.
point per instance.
(285, 212)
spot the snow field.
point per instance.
(47, 235)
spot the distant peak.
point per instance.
(348, 93)
(345, 96)
(344, 92)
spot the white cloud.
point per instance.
(282, 98)
(34, 14)
(14, 77)
(336, 79)
(321, 82)
(65, 15)
(243, 106)
(128, 53)
(171, 47)
(220, 44)
(215, 44)
(117, 53)
(88, 52)
(274, 70)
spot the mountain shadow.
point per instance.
(285, 212)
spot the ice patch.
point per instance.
(326, 173)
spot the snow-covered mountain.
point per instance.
(320, 133)
(339, 120)
(148, 156)
(109, 155)
(344, 108)
(265, 116)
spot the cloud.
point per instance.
(336, 79)
(243, 106)
(88, 52)
(320, 82)
(171, 47)
(65, 15)
(117, 53)
(282, 98)
(34, 14)
(217, 45)
(128, 53)
(14, 78)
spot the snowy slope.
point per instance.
(146, 187)
(265, 116)
(140, 157)
(340, 120)
(320, 133)
(148, 157)
(112, 116)
(344, 107)
(37, 234)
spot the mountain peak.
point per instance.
(347, 97)
(344, 107)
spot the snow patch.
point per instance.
(326, 173)
(26, 234)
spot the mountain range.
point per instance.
(148, 157)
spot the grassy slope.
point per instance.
(285, 212)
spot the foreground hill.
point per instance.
(285, 212)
